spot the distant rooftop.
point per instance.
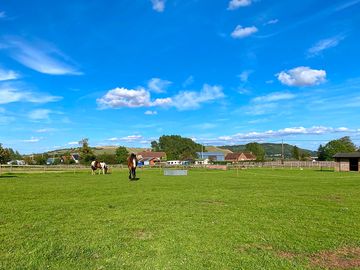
(347, 155)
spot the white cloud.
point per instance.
(324, 44)
(291, 131)
(73, 143)
(122, 97)
(9, 94)
(40, 56)
(2, 14)
(130, 138)
(191, 100)
(7, 75)
(39, 114)
(235, 4)
(276, 96)
(158, 5)
(151, 112)
(158, 85)
(32, 140)
(302, 76)
(242, 32)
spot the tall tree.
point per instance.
(257, 149)
(121, 154)
(154, 146)
(86, 153)
(341, 145)
(5, 155)
(296, 153)
(177, 147)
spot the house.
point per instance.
(173, 162)
(16, 162)
(213, 156)
(149, 161)
(345, 162)
(205, 161)
(242, 156)
(148, 154)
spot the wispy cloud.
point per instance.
(158, 85)
(323, 45)
(302, 76)
(158, 5)
(235, 4)
(40, 56)
(32, 140)
(151, 112)
(2, 14)
(242, 32)
(130, 138)
(7, 75)
(189, 81)
(291, 131)
(40, 114)
(273, 21)
(45, 130)
(187, 100)
(276, 96)
(244, 76)
(10, 93)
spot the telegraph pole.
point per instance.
(282, 151)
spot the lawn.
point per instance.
(258, 219)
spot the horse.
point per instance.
(132, 164)
(102, 166)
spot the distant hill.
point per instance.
(271, 149)
(97, 150)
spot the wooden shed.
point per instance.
(345, 162)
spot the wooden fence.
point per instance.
(318, 165)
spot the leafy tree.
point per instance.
(343, 144)
(121, 155)
(257, 149)
(304, 156)
(296, 153)
(86, 153)
(5, 154)
(177, 147)
(155, 146)
(107, 158)
(40, 159)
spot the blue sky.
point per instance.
(220, 72)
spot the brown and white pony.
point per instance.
(132, 164)
(99, 165)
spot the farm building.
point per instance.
(149, 154)
(345, 162)
(149, 161)
(242, 156)
(214, 156)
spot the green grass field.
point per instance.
(260, 219)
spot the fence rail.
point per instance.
(246, 165)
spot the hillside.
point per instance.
(271, 149)
(97, 150)
(217, 149)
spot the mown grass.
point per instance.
(260, 219)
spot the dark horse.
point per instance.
(132, 164)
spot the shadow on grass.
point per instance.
(325, 171)
(8, 176)
(134, 179)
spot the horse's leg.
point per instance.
(129, 173)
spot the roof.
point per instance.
(347, 155)
(148, 154)
(248, 155)
(210, 153)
